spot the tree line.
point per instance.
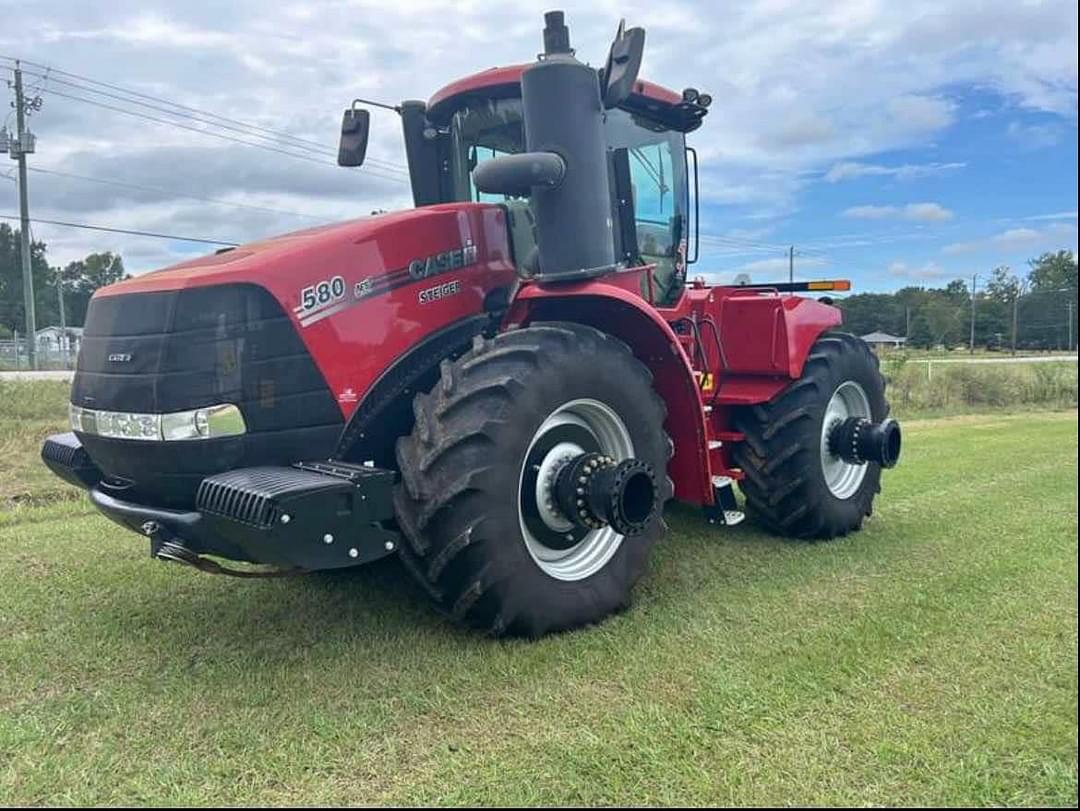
(77, 280)
(1033, 310)
(1028, 311)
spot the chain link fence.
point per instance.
(14, 355)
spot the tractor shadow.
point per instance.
(372, 613)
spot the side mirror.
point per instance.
(622, 66)
(354, 137)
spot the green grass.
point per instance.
(29, 412)
(962, 387)
(929, 659)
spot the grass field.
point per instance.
(930, 659)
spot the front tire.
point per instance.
(482, 538)
(794, 484)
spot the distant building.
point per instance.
(883, 340)
(55, 340)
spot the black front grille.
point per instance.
(176, 350)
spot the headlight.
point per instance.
(211, 422)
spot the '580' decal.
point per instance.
(323, 293)
(329, 296)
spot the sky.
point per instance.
(891, 143)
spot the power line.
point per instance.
(223, 136)
(153, 234)
(242, 127)
(757, 245)
(279, 139)
(124, 185)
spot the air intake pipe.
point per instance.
(565, 167)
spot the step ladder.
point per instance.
(725, 511)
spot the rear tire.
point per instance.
(793, 485)
(462, 503)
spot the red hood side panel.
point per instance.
(370, 309)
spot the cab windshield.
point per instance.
(486, 129)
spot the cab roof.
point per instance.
(650, 100)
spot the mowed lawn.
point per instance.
(930, 659)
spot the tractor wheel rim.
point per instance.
(603, 429)
(843, 478)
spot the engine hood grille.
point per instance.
(164, 351)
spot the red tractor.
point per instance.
(501, 386)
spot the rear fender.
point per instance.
(625, 315)
(766, 339)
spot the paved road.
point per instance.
(1006, 359)
(67, 375)
(60, 375)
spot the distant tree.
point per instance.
(872, 312)
(12, 305)
(79, 279)
(1044, 313)
(1004, 285)
(83, 277)
(921, 335)
(1054, 271)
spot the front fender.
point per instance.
(625, 315)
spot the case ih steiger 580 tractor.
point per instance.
(502, 386)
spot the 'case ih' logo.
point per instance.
(120, 357)
(442, 262)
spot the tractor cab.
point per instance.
(480, 118)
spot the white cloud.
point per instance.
(918, 212)
(852, 170)
(919, 114)
(1052, 237)
(1060, 215)
(779, 266)
(927, 212)
(798, 88)
(1036, 136)
(871, 212)
(928, 271)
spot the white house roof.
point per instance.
(54, 329)
(882, 338)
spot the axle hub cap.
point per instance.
(561, 544)
(843, 478)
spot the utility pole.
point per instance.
(1068, 324)
(791, 264)
(64, 348)
(19, 147)
(974, 276)
(1017, 292)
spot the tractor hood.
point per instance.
(293, 331)
(370, 243)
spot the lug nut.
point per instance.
(328, 538)
(389, 546)
(354, 552)
(285, 518)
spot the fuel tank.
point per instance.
(295, 331)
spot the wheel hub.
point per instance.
(619, 491)
(842, 476)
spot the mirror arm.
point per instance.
(394, 108)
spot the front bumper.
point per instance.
(312, 515)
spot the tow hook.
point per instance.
(167, 548)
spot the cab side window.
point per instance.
(654, 198)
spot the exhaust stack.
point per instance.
(565, 167)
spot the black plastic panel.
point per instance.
(184, 349)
